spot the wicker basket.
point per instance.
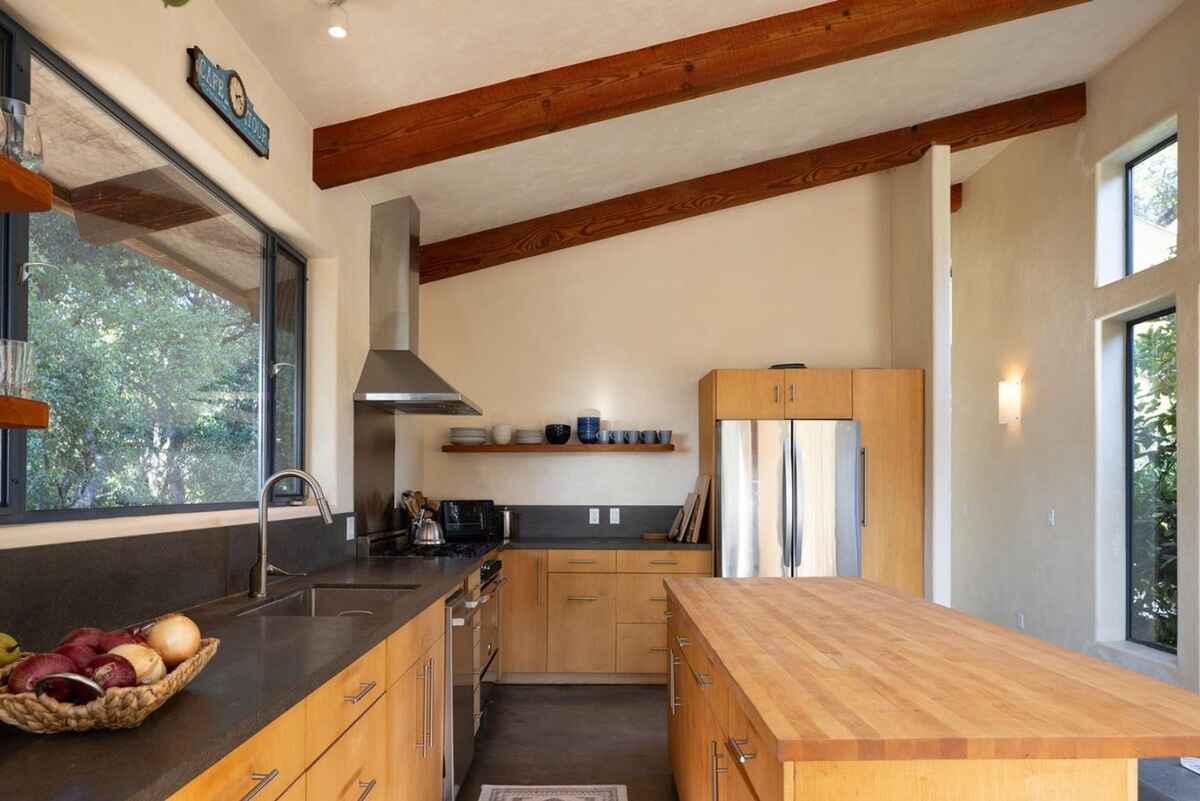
(119, 708)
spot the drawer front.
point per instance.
(356, 767)
(641, 598)
(341, 700)
(642, 648)
(298, 791)
(758, 760)
(583, 561)
(410, 642)
(270, 760)
(688, 641)
(695, 562)
(583, 623)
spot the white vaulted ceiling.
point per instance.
(403, 51)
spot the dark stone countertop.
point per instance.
(265, 665)
(607, 543)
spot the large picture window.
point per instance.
(1152, 207)
(144, 293)
(1151, 494)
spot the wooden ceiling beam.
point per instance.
(767, 179)
(671, 72)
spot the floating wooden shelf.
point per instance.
(22, 412)
(22, 190)
(545, 447)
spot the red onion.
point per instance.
(116, 637)
(32, 668)
(111, 670)
(85, 636)
(78, 653)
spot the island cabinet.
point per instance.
(586, 615)
(839, 689)
(372, 732)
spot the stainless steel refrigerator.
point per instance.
(788, 498)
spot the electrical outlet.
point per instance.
(350, 528)
(593, 517)
(614, 516)
(1021, 621)
(1050, 519)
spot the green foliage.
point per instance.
(152, 381)
(1154, 552)
(1156, 187)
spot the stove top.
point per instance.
(395, 545)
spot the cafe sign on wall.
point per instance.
(225, 92)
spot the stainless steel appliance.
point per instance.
(507, 522)
(472, 662)
(788, 498)
(467, 519)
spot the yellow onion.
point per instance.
(176, 638)
(145, 660)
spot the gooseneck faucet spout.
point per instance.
(263, 567)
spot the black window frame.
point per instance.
(1130, 166)
(1129, 450)
(17, 49)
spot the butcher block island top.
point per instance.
(839, 669)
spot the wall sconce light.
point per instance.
(1009, 402)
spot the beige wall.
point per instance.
(1027, 306)
(630, 324)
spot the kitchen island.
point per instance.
(841, 689)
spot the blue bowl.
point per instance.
(558, 434)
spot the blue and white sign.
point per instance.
(225, 92)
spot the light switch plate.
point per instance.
(593, 516)
(614, 516)
(350, 528)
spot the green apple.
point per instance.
(9, 650)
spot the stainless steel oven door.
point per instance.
(489, 641)
(463, 626)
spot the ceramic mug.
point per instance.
(602, 436)
(502, 434)
(664, 437)
(630, 437)
(649, 437)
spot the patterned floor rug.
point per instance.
(579, 792)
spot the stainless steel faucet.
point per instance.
(263, 567)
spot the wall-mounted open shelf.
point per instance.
(22, 412)
(570, 447)
(22, 190)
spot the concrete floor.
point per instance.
(540, 734)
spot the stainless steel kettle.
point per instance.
(427, 531)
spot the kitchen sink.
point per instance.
(333, 600)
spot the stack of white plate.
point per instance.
(468, 436)
(528, 436)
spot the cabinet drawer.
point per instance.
(271, 759)
(583, 623)
(762, 767)
(642, 648)
(641, 598)
(341, 700)
(583, 561)
(298, 791)
(410, 642)
(699, 562)
(356, 767)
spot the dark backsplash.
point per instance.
(571, 522)
(47, 590)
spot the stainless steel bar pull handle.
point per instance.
(261, 780)
(776, 388)
(672, 698)
(429, 705)
(583, 597)
(664, 561)
(658, 650)
(364, 689)
(742, 756)
(422, 744)
(537, 572)
(581, 561)
(792, 392)
(863, 487)
(681, 641)
(662, 599)
(366, 788)
(717, 770)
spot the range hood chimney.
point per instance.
(393, 377)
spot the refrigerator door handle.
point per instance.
(862, 486)
(789, 505)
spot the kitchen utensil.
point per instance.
(427, 531)
(558, 433)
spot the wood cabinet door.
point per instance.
(523, 618)
(890, 408)
(693, 761)
(716, 762)
(641, 598)
(676, 719)
(583, 623)
(357, 764)
(642, 648)
(818, 394)
(406, 717)
(437, 721)
(750, 395)
(263, 766)
(340, 701)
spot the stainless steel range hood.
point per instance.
(393, 376)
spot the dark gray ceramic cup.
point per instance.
(649, 437)
(664, 437)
